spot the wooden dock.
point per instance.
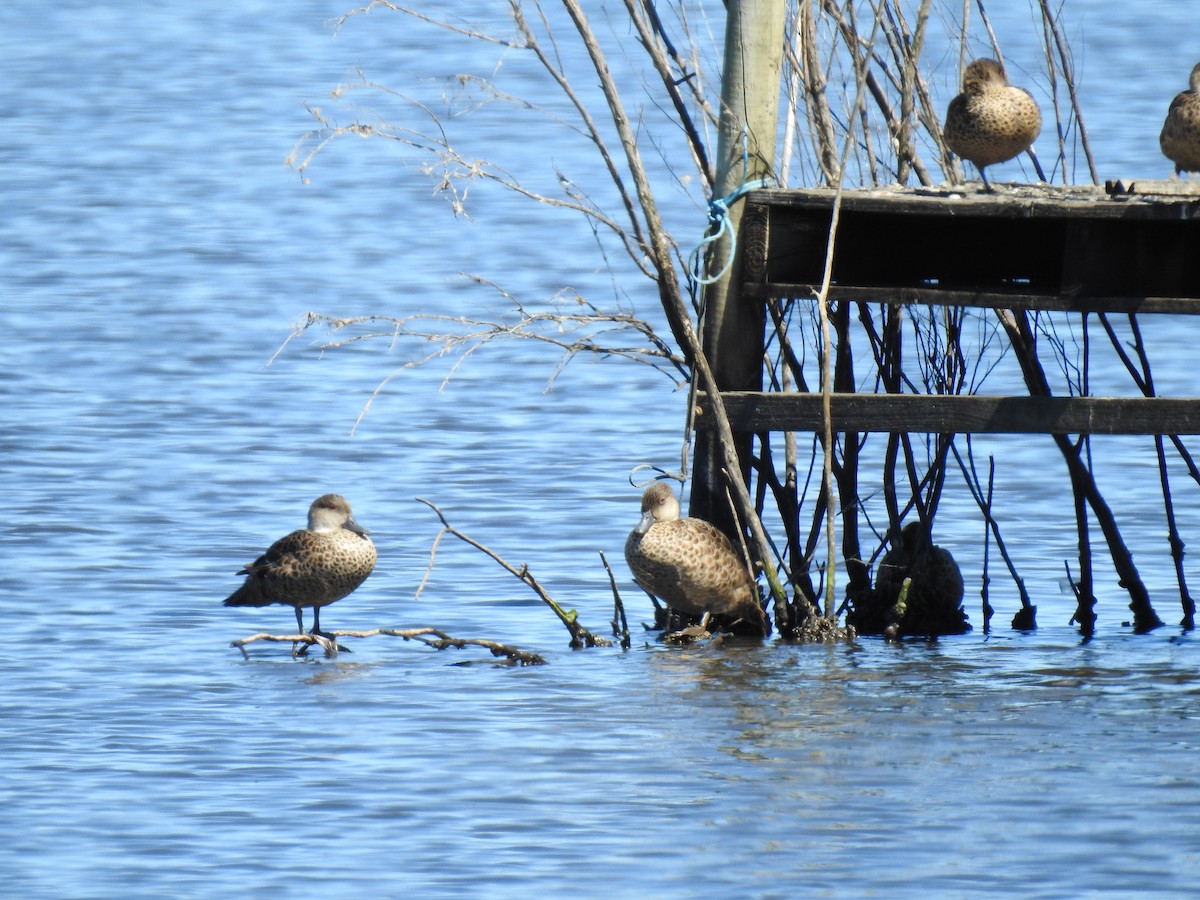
(1032, 248)
(1013, 255)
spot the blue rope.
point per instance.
(719, 224)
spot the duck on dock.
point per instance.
(312, 567)
(689, 564)
(991, 121)
(1180, 136)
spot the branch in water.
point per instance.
(580, 636)
(431, 637)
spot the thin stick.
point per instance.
(580, 636)
(827, 352)
(620, 624)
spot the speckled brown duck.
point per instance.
(689, 564)
(312, 567)
(991, 121)
(1180, 137)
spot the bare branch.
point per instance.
(620, 624)
(431, 637)
(580, 636)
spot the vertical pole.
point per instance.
(732, 329)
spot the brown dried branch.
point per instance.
(466, 334)
(631, 210)
(820, 118)
(580, 636)
(1083, 482)
(659, 245)
(620, 624)
(455, 172)
(431, 637)
(662, 54)
(574, 333)
(1066, 60)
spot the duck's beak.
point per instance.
(644, 525)
(351, 525)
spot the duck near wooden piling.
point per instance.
(690, 565)
(991, 121)
(312, 567)
(1180, 136)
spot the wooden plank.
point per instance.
(1025, 201)
(987, 254)
(938, 413)
(935, 296)
(1161, 187)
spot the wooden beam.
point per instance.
(732, 335)
(944, 414)
(1034, 201)
(1174, 187)
(935, 296)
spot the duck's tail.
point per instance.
(250, 593)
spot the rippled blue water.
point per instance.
(154, 254)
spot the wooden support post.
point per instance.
(732, 330)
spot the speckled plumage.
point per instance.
(688, 563)
(1180, 136)
(312, 567)
(991, 121)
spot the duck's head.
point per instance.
(659, 504)
(983, 74)
(330, 512)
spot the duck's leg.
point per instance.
(986, 184)
(1036, 165)
(302, 650)
(316, 629)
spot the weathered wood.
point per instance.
(1030, 247)
(935, 296)
(732, 335)
(944, 414)
(1026, 201)
(1160, 187)
(1050, 248)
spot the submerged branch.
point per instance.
(620, 624)
(431, 637)
(580, 636)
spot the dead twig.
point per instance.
(620, 624)
(580, 636)
(431, 637)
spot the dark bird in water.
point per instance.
(991, 121)
(689, 564)
(933, 604)
(312, 567)
(1180, 137)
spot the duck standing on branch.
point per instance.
(312, 567)
(1180, 137)
(690, 565)
(991, 121)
